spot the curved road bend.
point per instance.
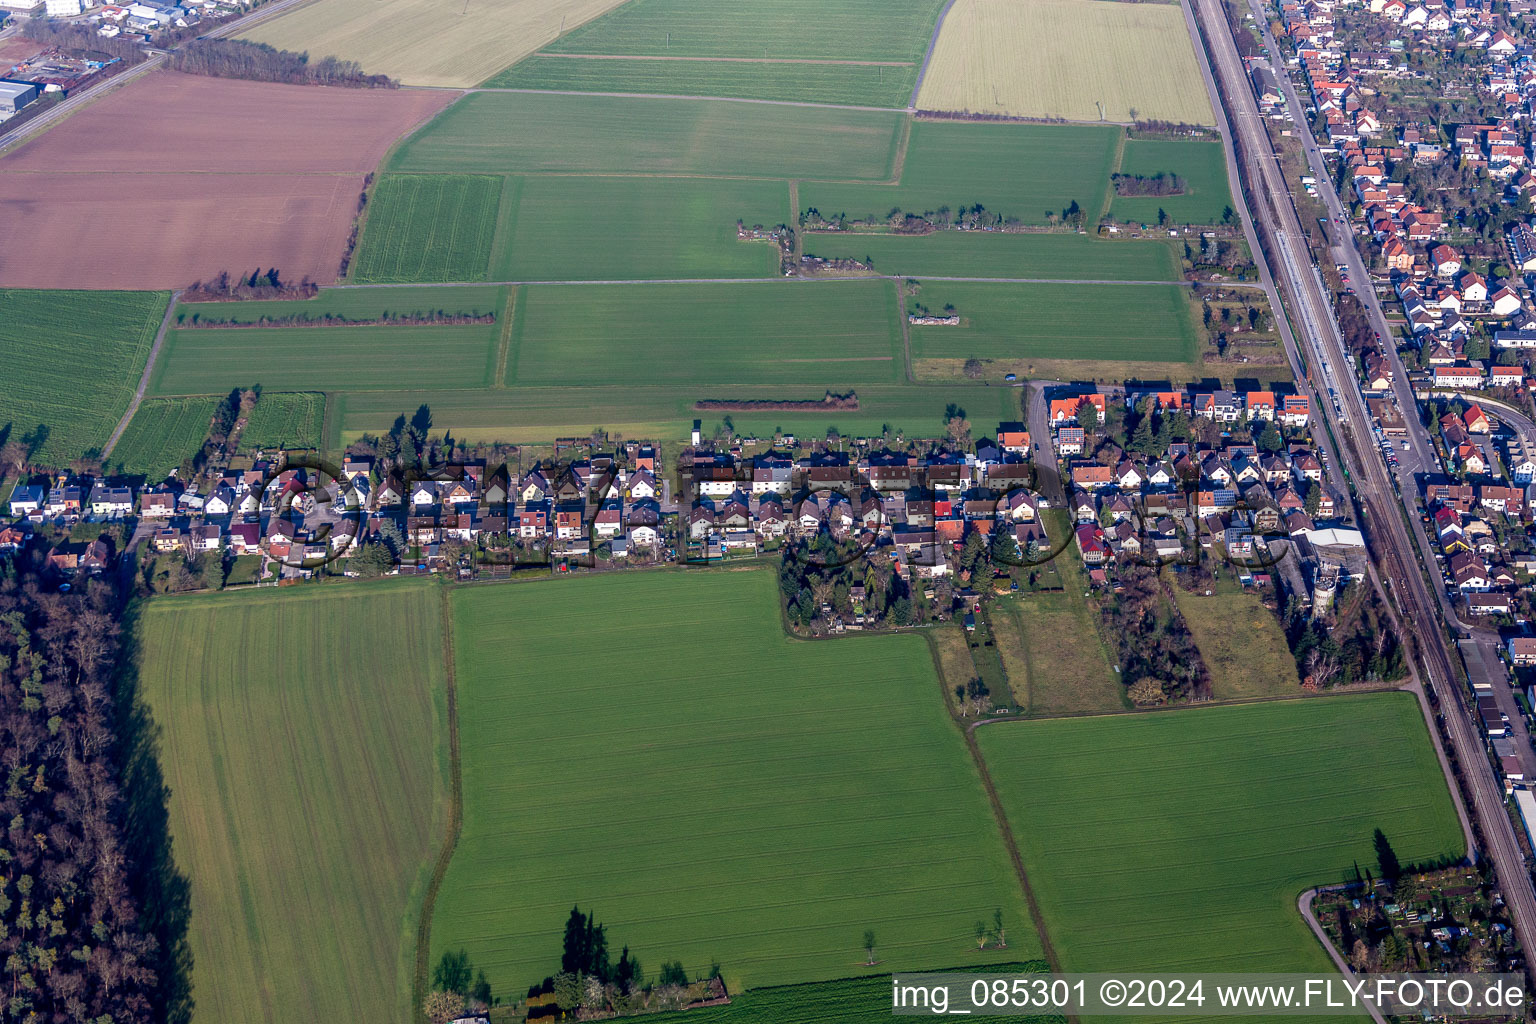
(1390, 535)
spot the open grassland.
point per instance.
(1054, 321)
(1050, 645)
(492, 132)
(804, 336)
(163, 434)
(992, 254)
(1022, 171)
(1180, 840)
(604, 228)
(760, 50)
(426, 43)
(1088, 61)
(276, 186)
(305, 754)
(541, 414)
(72, 362)
(198, 362)
(864, 85)
(352, 303)
(1202, 165)
(285, 420)
(1242, 643)
(722, 793)
(429, 227)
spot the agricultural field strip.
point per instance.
(791, 281)
(684, 96)
(731, 60)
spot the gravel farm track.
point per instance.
(176, 177)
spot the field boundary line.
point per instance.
(149, 368)
(455, 822)
(732, 60)
(985, 777)
(933, 42)
(1107, 199)
(899, 157)
(508, 311)
(772, 280)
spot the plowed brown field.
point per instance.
(177, 177)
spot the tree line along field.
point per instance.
(619, 135)
(861, 52)
(351, 303)
(60, 404)
(729, 794)
(542, 414)
(1090, 61)
(425, 46)
(1023, 171)
(1202, 165)
(163, 433)
(303, 739)
(1193, 861)
(1023, 322)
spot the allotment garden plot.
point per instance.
(712, 791)
(1087, 61)
(1180, 840)
(303, 738)
(863, 52)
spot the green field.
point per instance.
(428, 227)
(72, 362)
(1242, 644)
(1202, 165)
(722, 792)
(864, 85)
(993, 254)
(352, 303)
(845, 1001)
(805, 336)
(716, 40)
(603, 228)
(302, 735)
(896, 30)
(1054, 321)
(532, 414)
(491, 132)
(1022, 171)
(285, 419)
(163, 434)
(1180, 840)
(196, 361)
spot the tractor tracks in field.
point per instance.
(149, 369)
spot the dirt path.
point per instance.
(933, 41)
(149, 368)
(733, 60)
(509, 309)
(773, 280)
(455, 818)
(1304, 904)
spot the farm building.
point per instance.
(14, 96)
